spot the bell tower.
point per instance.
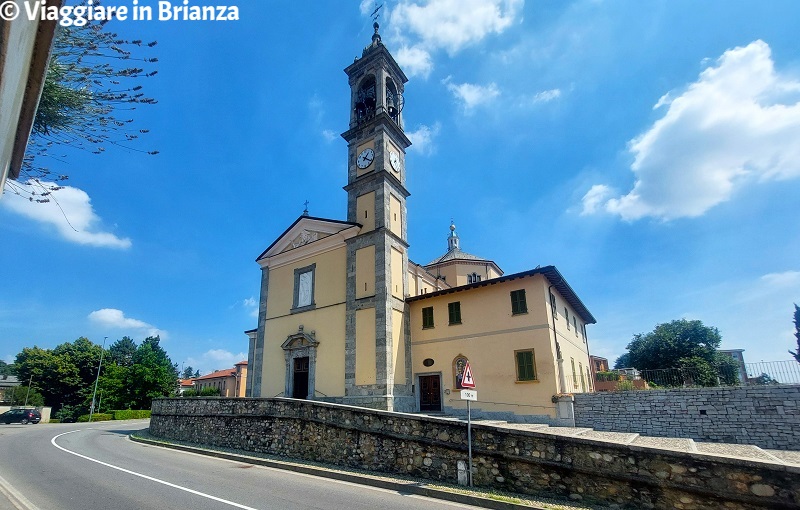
(378, 341)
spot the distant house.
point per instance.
(24, 54)
(597, 364)
(737, 356)
(185, 384)
(230, 382)
(7, 384)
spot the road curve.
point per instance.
(85, 467)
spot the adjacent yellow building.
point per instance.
(345, 316)
(230, 382)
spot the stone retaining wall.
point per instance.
(765, 416)
(526, 462)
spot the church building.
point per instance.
(344, 315)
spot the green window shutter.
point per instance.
(525, 369)
(454, 312)
(518, 303)
(427, 317)
(520, 366)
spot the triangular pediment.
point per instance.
(305, 237)
(299, 341)
(305, 231)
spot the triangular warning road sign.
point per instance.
(467, 380)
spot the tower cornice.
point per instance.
(381, 175)
(381, 119)
(375, 56)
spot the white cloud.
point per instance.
(546, 96)
(594, 199)
(738, 124)
(251, 305)
(790, 279)
(423, 27)
(470, 95)
(69, 211)
(415, 60)
(366, 6)
(215, 359)
(422, 140)
(329, 135)
(113, 318)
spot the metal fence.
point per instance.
(762, 373)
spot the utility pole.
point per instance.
(97, 379)
(29, 391)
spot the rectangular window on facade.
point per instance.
(427, 317)
(526, 370)
(518, 303)
(574, 374)
(575, 325)
(553, 307)
(566, 316)
(454, 312)
(303, 298)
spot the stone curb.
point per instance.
(15, 499)
(416, 488)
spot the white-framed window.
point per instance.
(304, 283)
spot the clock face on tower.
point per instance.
(394, 160)
(365, 158)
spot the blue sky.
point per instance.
(649, 150)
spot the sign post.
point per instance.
(469, 394)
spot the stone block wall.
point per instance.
(765, 416)
(522, 461)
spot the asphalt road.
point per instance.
(83, 467)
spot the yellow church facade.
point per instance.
(345, 316)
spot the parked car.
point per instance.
(23, 416)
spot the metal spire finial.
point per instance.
(305, 211)
(452, 239)
(376, 37)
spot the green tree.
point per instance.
(6, 369)
(796, 353)
(623, 361)
(669, 343)
(20, 394)
(683, 344)
(152, 374)
(764, 379)
(64, 375)
(112, 387)
(188, 372)
(121, 352)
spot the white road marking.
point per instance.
(140, 475)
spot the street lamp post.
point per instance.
(97, 379)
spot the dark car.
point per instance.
(23, 416)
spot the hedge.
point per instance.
(131, 414)
(96, 417)
(124, 414)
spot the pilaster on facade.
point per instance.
(255, 358)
